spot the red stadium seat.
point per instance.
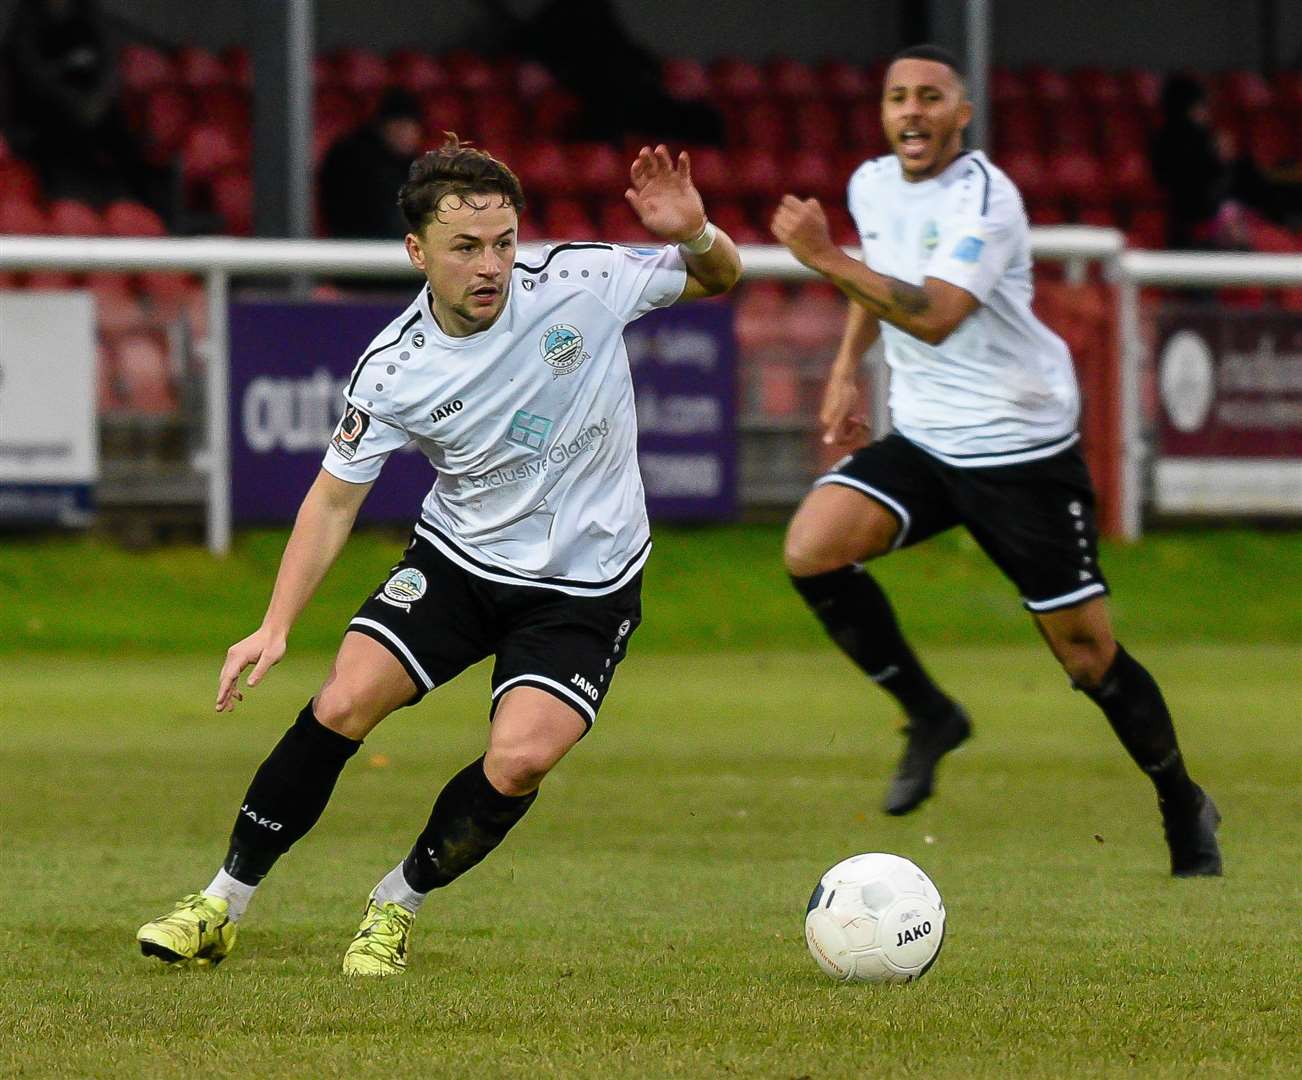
(1017, 126)
(555, 113)
(1245, 90)
(207, 151)
(225, 106)
(567, 219)
(1143, 86)
(1026, 169)
(734, 220)
(172, 295)
(757, 172)
(532, 79)
(324, 72)
(1271, 139)
(1288, 89)
(1046, 212)
(841, 224)
(443, 111)
(1122, 129)
(71, 218)
(21, 216)
(416, 72)
(618, 223)
(142, 69)
(863, 133)
(546, 169)
(1098, 88)
(598, 168)
(1049, 87)
(362, 72)
(52, 279)
(476, 74)
(738, 79)
(143, 371)
(494, 121)
(1104, 216)
(792, 80)
(126, 218)
(760, 314)
(117, 308)
(1079, 176)
(200, 69)
(167, 117)
(19, 182)
(763, 124)
(817, 317)
(814, 173)
(685, 79)
(848, 83)
(711, 171)
(1132, 177)
(818, 126)
(1073, 129)
(232, 199)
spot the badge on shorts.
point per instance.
(348, 435)
(404, 588)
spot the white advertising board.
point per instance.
(49, 447)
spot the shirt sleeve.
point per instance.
(979, 238)
(361, 444)
(642, 279)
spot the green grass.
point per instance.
(706, 589)
(645, 920)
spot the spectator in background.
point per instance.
(1216, 196)
(363, 170)
(65, 115)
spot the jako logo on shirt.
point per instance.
(562, 349)
(444, 411)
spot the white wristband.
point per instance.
(702, 242)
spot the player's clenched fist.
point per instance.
(801, 225)
(260, 649)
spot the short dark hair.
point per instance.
(455, 168)
(937, 53)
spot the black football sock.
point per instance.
(1133, 704)
(856, 613)
(469, 819)
(288, 794)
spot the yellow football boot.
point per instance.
(380, 945)
(198, 930)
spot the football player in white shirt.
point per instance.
(984, 405)
(514, 381)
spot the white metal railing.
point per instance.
(218, 259)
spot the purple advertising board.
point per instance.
(291, 359)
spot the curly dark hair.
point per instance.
(457, 169)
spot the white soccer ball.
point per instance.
(875, 918)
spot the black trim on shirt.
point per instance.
(569, 583)
(569, 246)
(357, 372)
(985, 195)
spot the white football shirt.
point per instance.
(1001, 388)
(530, 423)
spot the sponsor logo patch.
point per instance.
(404, 588)
(968, 249)
(444, 411)
(562, 349)
(348, 435)
(529, 429)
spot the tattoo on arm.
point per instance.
(906, 300)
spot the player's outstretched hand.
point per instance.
(801, 225)
(842, 422)
(663, 195)
(260, 649)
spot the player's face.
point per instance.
(924, 112)
(466, 251)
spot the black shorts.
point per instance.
(1034, 519)
(438, 619)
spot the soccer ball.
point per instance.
(875, 918)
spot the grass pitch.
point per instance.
(645, 920)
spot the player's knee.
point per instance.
(1085, 660)
(517, 769)
(340, 710)
(806, 553)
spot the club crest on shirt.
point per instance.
(930, 236)
(348, 435)
(404, 588)
(562, 349)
